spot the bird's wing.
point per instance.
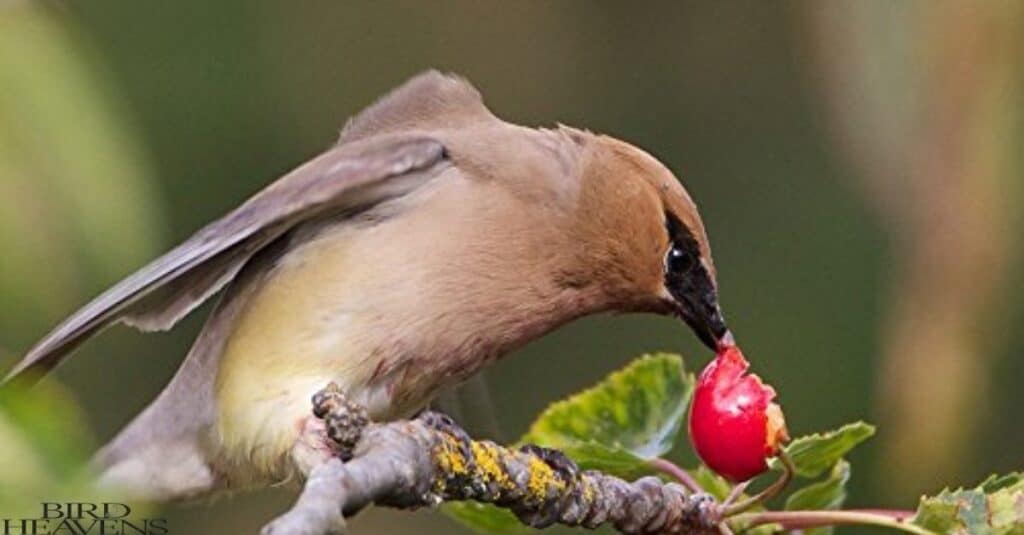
(158, 295)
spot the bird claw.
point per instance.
(344, 420)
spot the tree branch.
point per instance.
(429, 460)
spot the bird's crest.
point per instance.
(428, 101)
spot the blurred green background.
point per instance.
(858, 165)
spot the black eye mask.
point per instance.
(689, 282)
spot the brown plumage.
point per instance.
(432, 239)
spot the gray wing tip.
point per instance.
(28, 371)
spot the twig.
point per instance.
(735, 493)
(676, 472)
(814, 519)
(768, 493)
(429, 460)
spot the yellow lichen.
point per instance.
(487, 457)
(449, 457)
(542, 478)
(488, 462)
(588, 490)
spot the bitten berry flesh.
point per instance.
(734, 425)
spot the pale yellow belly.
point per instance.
(292, 338)
(382, 310)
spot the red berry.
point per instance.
(734, 426)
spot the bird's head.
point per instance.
(646, 241)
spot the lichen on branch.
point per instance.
(429, 460)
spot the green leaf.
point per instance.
(993, 508)
(711, 482)
(48, 418)
(44, 447)
(997, 482)
(591, 455)
(617, 426)
(828, 494)
(484, 518)
(813, 454)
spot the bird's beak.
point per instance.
(705, 319)
(696, 302)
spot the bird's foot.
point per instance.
(343, 419)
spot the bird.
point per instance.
(431, 239)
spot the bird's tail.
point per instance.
(152, 459)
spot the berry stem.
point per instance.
(676, 472)
(768, 493)
(735, 493)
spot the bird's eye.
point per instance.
(678, 260)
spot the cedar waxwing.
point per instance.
(429, 241)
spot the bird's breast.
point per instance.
(332, 309)
(292, 336)
(392, 309)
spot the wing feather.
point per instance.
(161, 293)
